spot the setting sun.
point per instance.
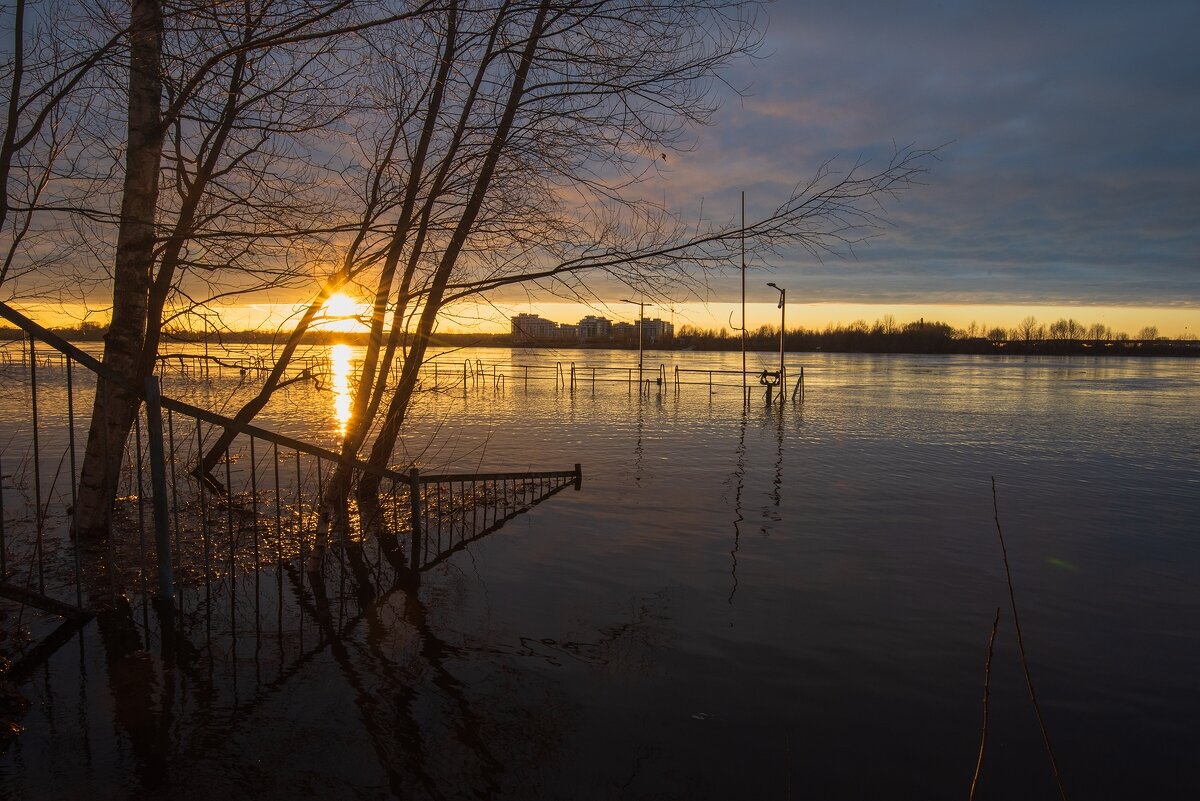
(342, 313)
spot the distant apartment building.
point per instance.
(624, 332)
(595, 328)
(532, 328)
(657, 330)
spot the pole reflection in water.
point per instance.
(739, 480)
(340, 364)
(777, 484)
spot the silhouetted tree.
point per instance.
(1027, 329)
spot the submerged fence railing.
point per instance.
(176, 542)
(448, 376)
(445, 373)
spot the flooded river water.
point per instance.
(739, 603)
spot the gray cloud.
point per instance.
(1074, 173)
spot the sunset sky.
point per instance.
(1069, 184)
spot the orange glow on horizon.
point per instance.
(346, 314)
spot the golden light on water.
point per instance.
(340, 364)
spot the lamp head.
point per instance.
(778, 289)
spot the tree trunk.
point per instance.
(115, 405)
(385, 442)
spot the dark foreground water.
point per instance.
(787, 603)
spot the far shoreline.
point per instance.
(919, 343)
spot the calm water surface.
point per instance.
(775, 603)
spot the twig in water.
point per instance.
(1012, 599)
(987, 687)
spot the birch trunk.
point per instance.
(115, 406)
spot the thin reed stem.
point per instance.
(1012, 598)
(987, 689)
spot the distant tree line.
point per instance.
(885, 335)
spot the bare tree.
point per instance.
(1065, 328)
(470, 146)
(1027, 329)
(517, 139)
(53, 53)
(239, 89)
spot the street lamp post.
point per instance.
(641, 304)
(782, 331)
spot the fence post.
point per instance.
(414, 497)
(158, 484)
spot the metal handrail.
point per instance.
(249, 429)
(97, 367)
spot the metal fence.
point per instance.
(648, 379)
(193, 552)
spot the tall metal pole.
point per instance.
(782, 321)
(641, 304)
(641, 327)
(782, 332)
(782, 329)
(745, 390)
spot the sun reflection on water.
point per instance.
(339, 363)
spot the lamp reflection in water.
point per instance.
(339, 364)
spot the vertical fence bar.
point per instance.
(232, 543)
(39, 520)
(395, 510)
(3, 540)
(158, 486)
(299, 515)
(414, 497)
(278, 544)
(204, 528)
(141, 508)
(319, 540)
(174, 487)
(254, 528)
(74, 500)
